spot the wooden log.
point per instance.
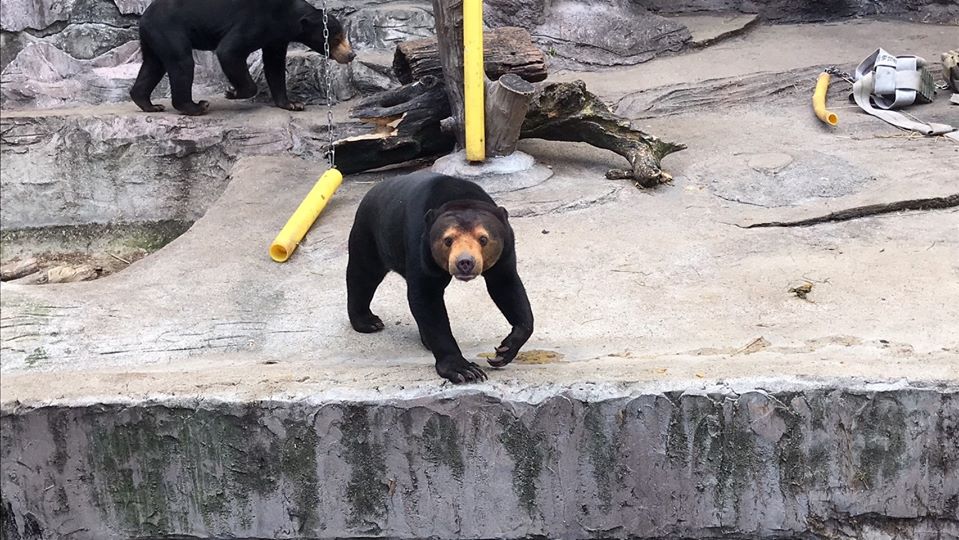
(412, 129)
(505, 50)
(18, 269)
(568, 112)
(405, 126)
(507, 102)
(448, 17)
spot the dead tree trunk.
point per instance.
(406, 126)
(505, 50)
(448, 15)
(507, 102)
(568, 112)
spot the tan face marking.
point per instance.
(466, 245)
(454, 244)
(342, 52)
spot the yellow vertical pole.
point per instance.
(474, 80)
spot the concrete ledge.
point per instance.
(583, 461)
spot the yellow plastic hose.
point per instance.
(819, 101)
(474, 80)
(301, 220)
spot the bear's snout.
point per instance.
(465, 264)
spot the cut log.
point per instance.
(568, 112)
(507, 102)
(405, 125)
(505, 50)
(18, 269)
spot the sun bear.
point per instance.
(171, 29)
(431, 228)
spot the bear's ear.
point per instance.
(502, 213)
(430, 217)
(312, 20)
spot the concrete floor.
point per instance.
(627, 285)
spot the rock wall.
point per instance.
(58, 53)
(74, 52)
(587, 463)
(927, 11)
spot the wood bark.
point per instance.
(448, 16)
(18, 269)
(568, 112)
(405, 125)
(507, 102)
(505, 50)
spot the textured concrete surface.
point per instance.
(679, 388)
(858, 462)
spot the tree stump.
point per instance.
(505, 50)
(507, 102)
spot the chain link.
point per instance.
(835, 71)
(328, 77)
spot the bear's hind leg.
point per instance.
(233, 64)
(179, 66)
(364, 273)
(151, 73)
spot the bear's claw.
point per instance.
(460, 371)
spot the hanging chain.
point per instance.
(328, 77)
(835, 71)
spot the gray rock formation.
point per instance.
(581, 34)
(383, 26)
(96, 166)
(928, 11)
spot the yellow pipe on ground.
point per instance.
(819, 101)
(301, 220)
(474, 80)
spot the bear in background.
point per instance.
(171, 29)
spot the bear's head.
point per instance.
(311, 35)
(466, 238)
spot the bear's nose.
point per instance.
(465, 264)
(351, 56)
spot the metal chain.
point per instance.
(834, 70)
(328, 77)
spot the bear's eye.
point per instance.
(448, 241)
(483, 240)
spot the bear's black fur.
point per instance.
(171, 29)
(430, 228)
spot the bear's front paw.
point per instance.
(504, 355)
(234, 93)
(292, 105)
(196, 109)
(459, 370)
(367, 324)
